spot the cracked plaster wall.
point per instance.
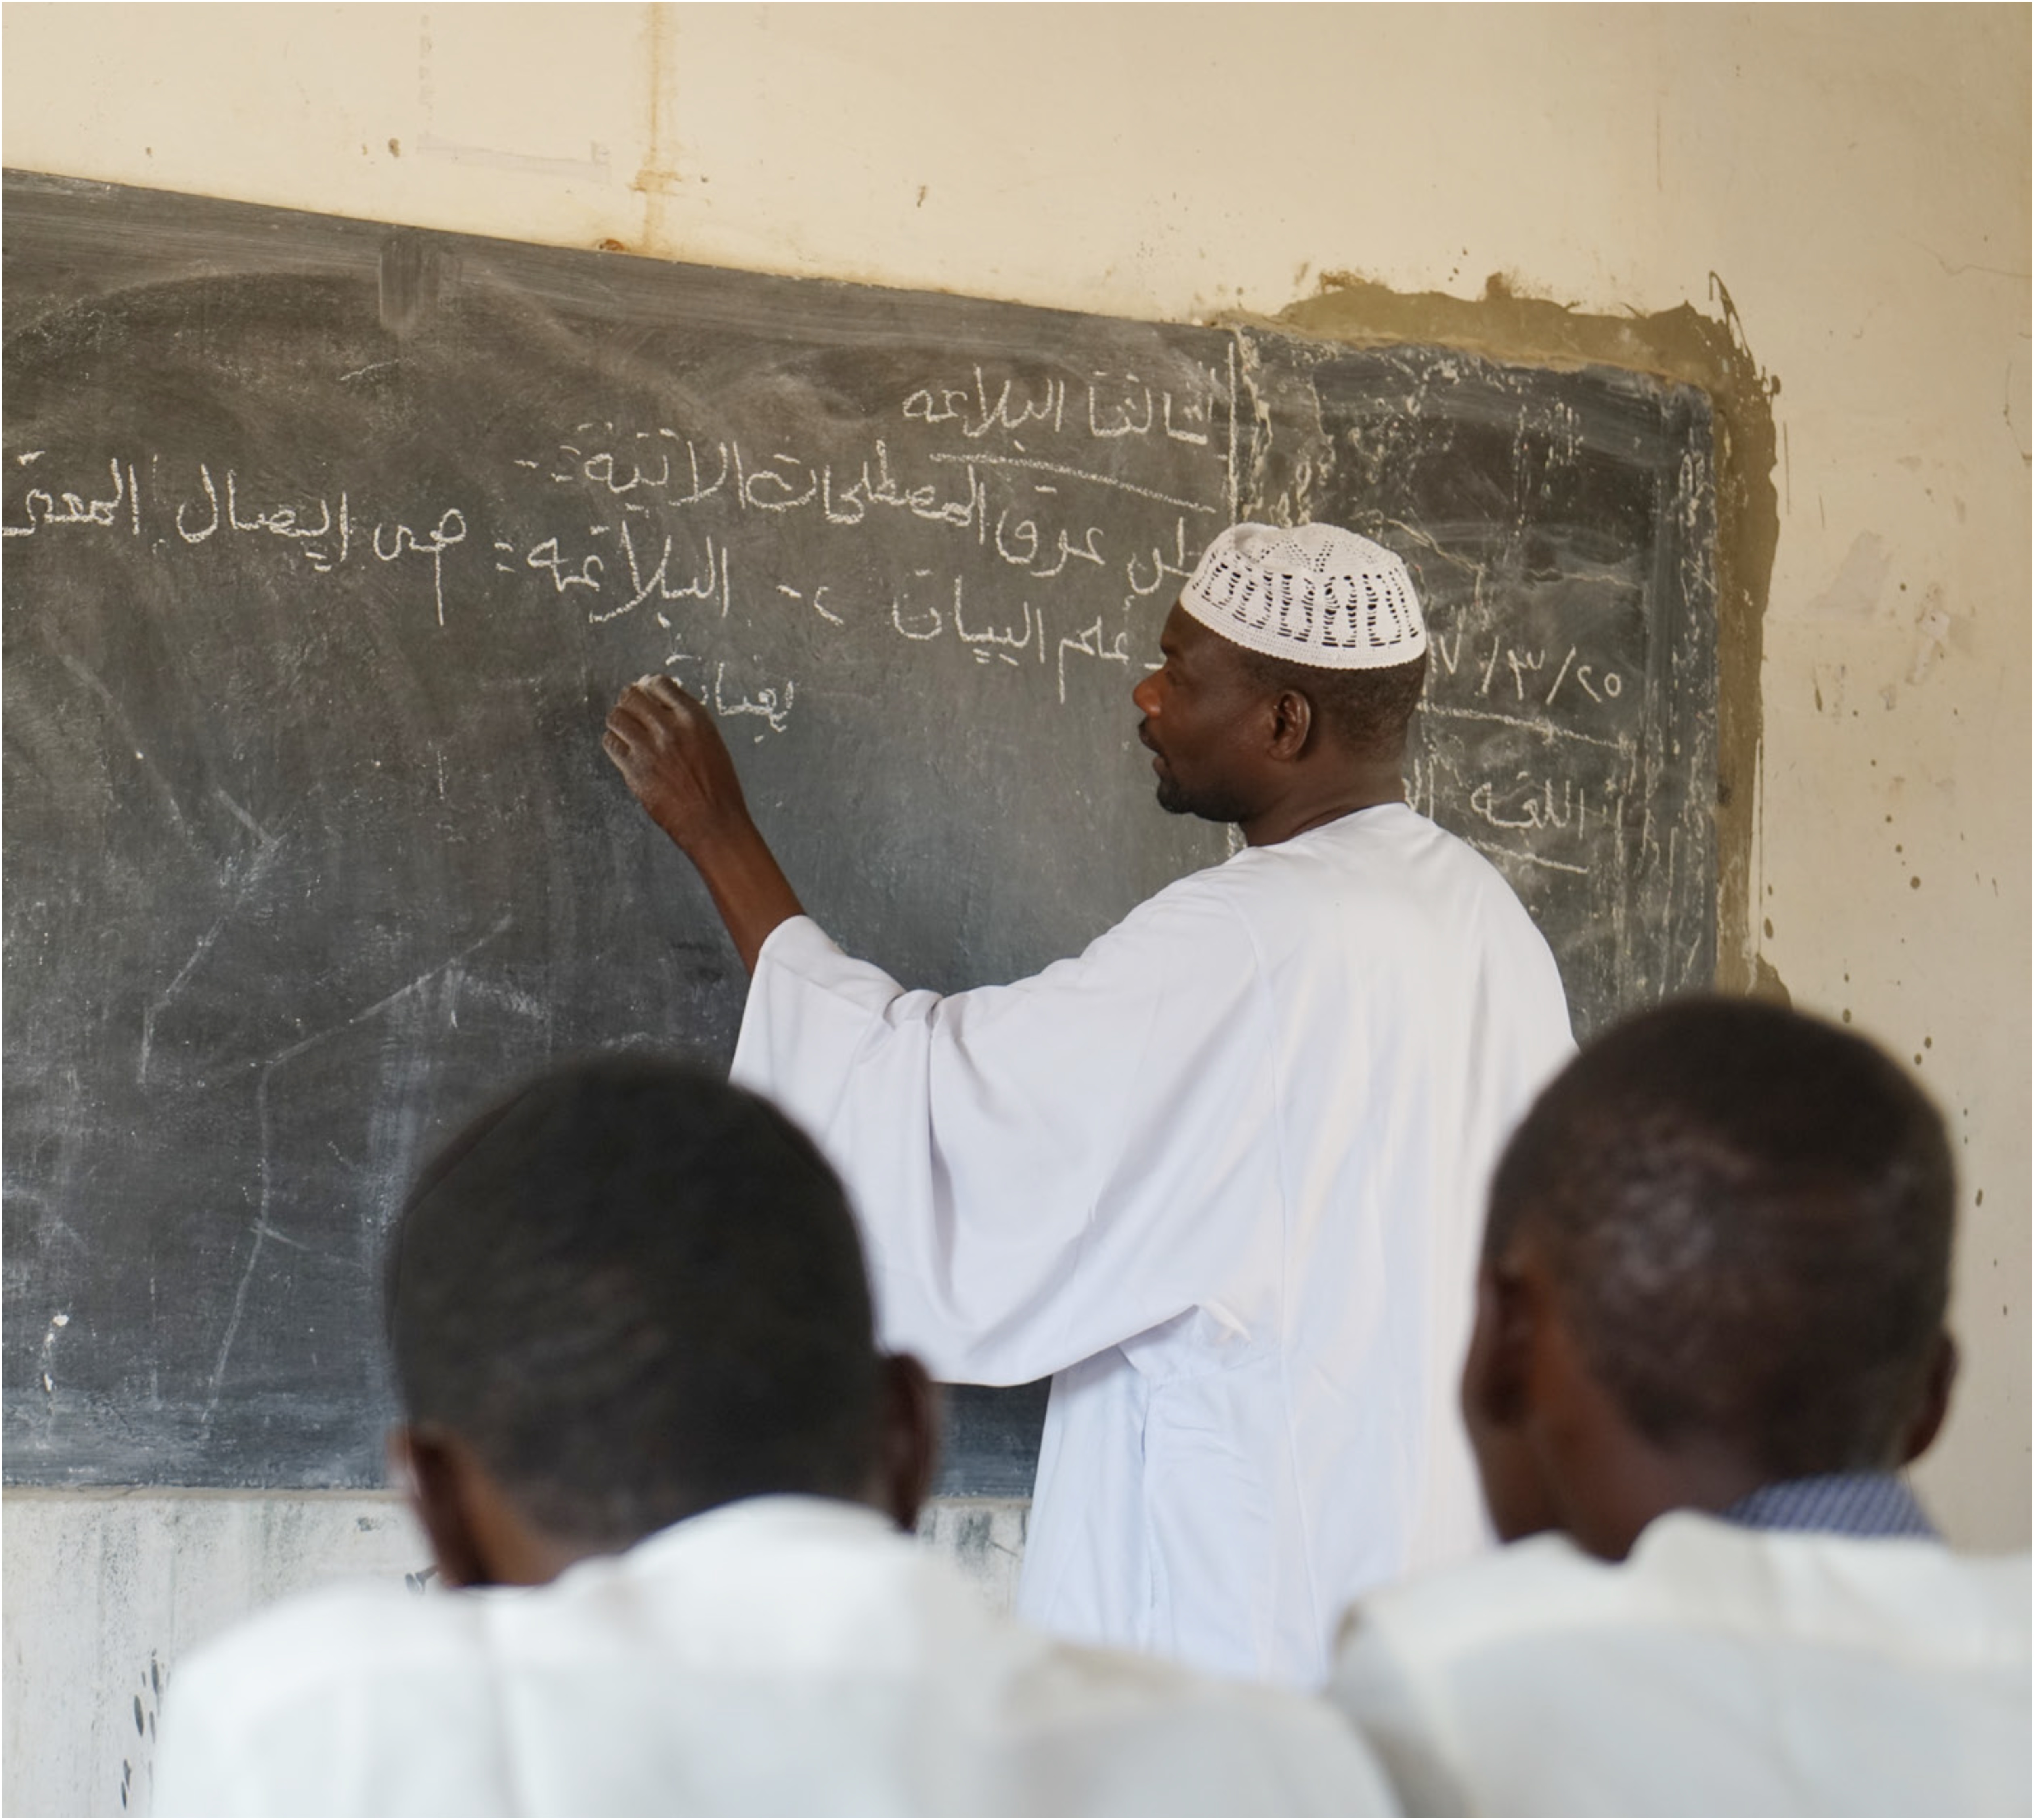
(1857, 177)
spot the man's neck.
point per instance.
(1302, 809)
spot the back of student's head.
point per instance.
(1748, 1213)
(637, 1292)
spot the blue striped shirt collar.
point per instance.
(1837, 1504)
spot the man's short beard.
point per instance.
(1209, 805)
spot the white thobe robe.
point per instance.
(1719, 1670)
(778, 1656)
(1221, 1177)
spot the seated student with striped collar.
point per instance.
(1709, 1335)
(662, 1463)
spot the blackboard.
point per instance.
(328, 547)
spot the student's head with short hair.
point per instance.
(626, 1294)
(1717, 1257)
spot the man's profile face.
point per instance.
(1201, 706)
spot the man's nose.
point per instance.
(1145, 695)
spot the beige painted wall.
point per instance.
(1858, 178)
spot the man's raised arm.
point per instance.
(666, 747)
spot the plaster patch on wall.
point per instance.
(1828, 680)
(1934, 625)
(1854, 589)
(1766, 983)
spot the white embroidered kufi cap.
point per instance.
(1314, 593)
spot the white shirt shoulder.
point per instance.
(1719, 1670)
(778, 1656)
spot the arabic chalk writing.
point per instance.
(704, 586)
(772, 704)
(39, 509)
(1047, 535)
(451, 529)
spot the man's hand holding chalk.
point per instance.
(670, 754)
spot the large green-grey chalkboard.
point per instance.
(327, 545)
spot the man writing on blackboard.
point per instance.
(1220, 1176)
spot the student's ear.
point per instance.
(1928, 1418)
(1292, 721)
(908, 1442)
(1497, 1402)
(431, 1466)
(1497, 1372)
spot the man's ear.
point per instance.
(1928, 1418)
(434, 1470)
(1292, 721)
(907, 1441)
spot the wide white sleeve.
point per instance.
(1045, 1169)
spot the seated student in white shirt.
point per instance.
(1710, 1333)
(657, 1454)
